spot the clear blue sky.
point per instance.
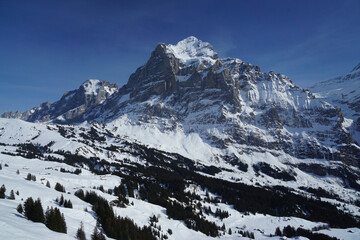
(49, 47)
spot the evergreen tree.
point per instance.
(0, 166)
(48, 184)
(278, 232)
(38, 211)
(2, 191)
(80, 233)
(28, 177)
(12, 195)
(17, 172)
(28, 207)
(61, 202)
(20, 209)
(97, 235)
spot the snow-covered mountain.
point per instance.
(72, 104)
(344, 92)
(230, 104)
(203, 132)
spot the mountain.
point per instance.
(344, 92)
(229, 103)
(193, 146)
(72, 104)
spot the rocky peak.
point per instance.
(95, 91)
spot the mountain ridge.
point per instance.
(228, 103)
(71, 105)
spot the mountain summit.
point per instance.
(192, 50)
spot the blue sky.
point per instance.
(49, 47)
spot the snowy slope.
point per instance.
(15, 226)
(80, 140)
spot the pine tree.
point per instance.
(28, 207)
(61, 202)
(48, 184)
(63, 223)
(12, 195)
(2, 191)
(278, 232)
(20, 209)
(80, 233)
(38, 211)
(17, 172)
(28, 177)
(0, 166)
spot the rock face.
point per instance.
(229, 103)
(72, 104)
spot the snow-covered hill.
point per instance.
(81, 141)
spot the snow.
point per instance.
(15, 226)
(14, 131)
(91, 86)
(192, 50)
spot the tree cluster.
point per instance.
(291, 232)
(193, 221)
(247, 234)
(221, 213)
(114, 226)
(63, 202)
(53, 219)
(59, 187)
(31, 177)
